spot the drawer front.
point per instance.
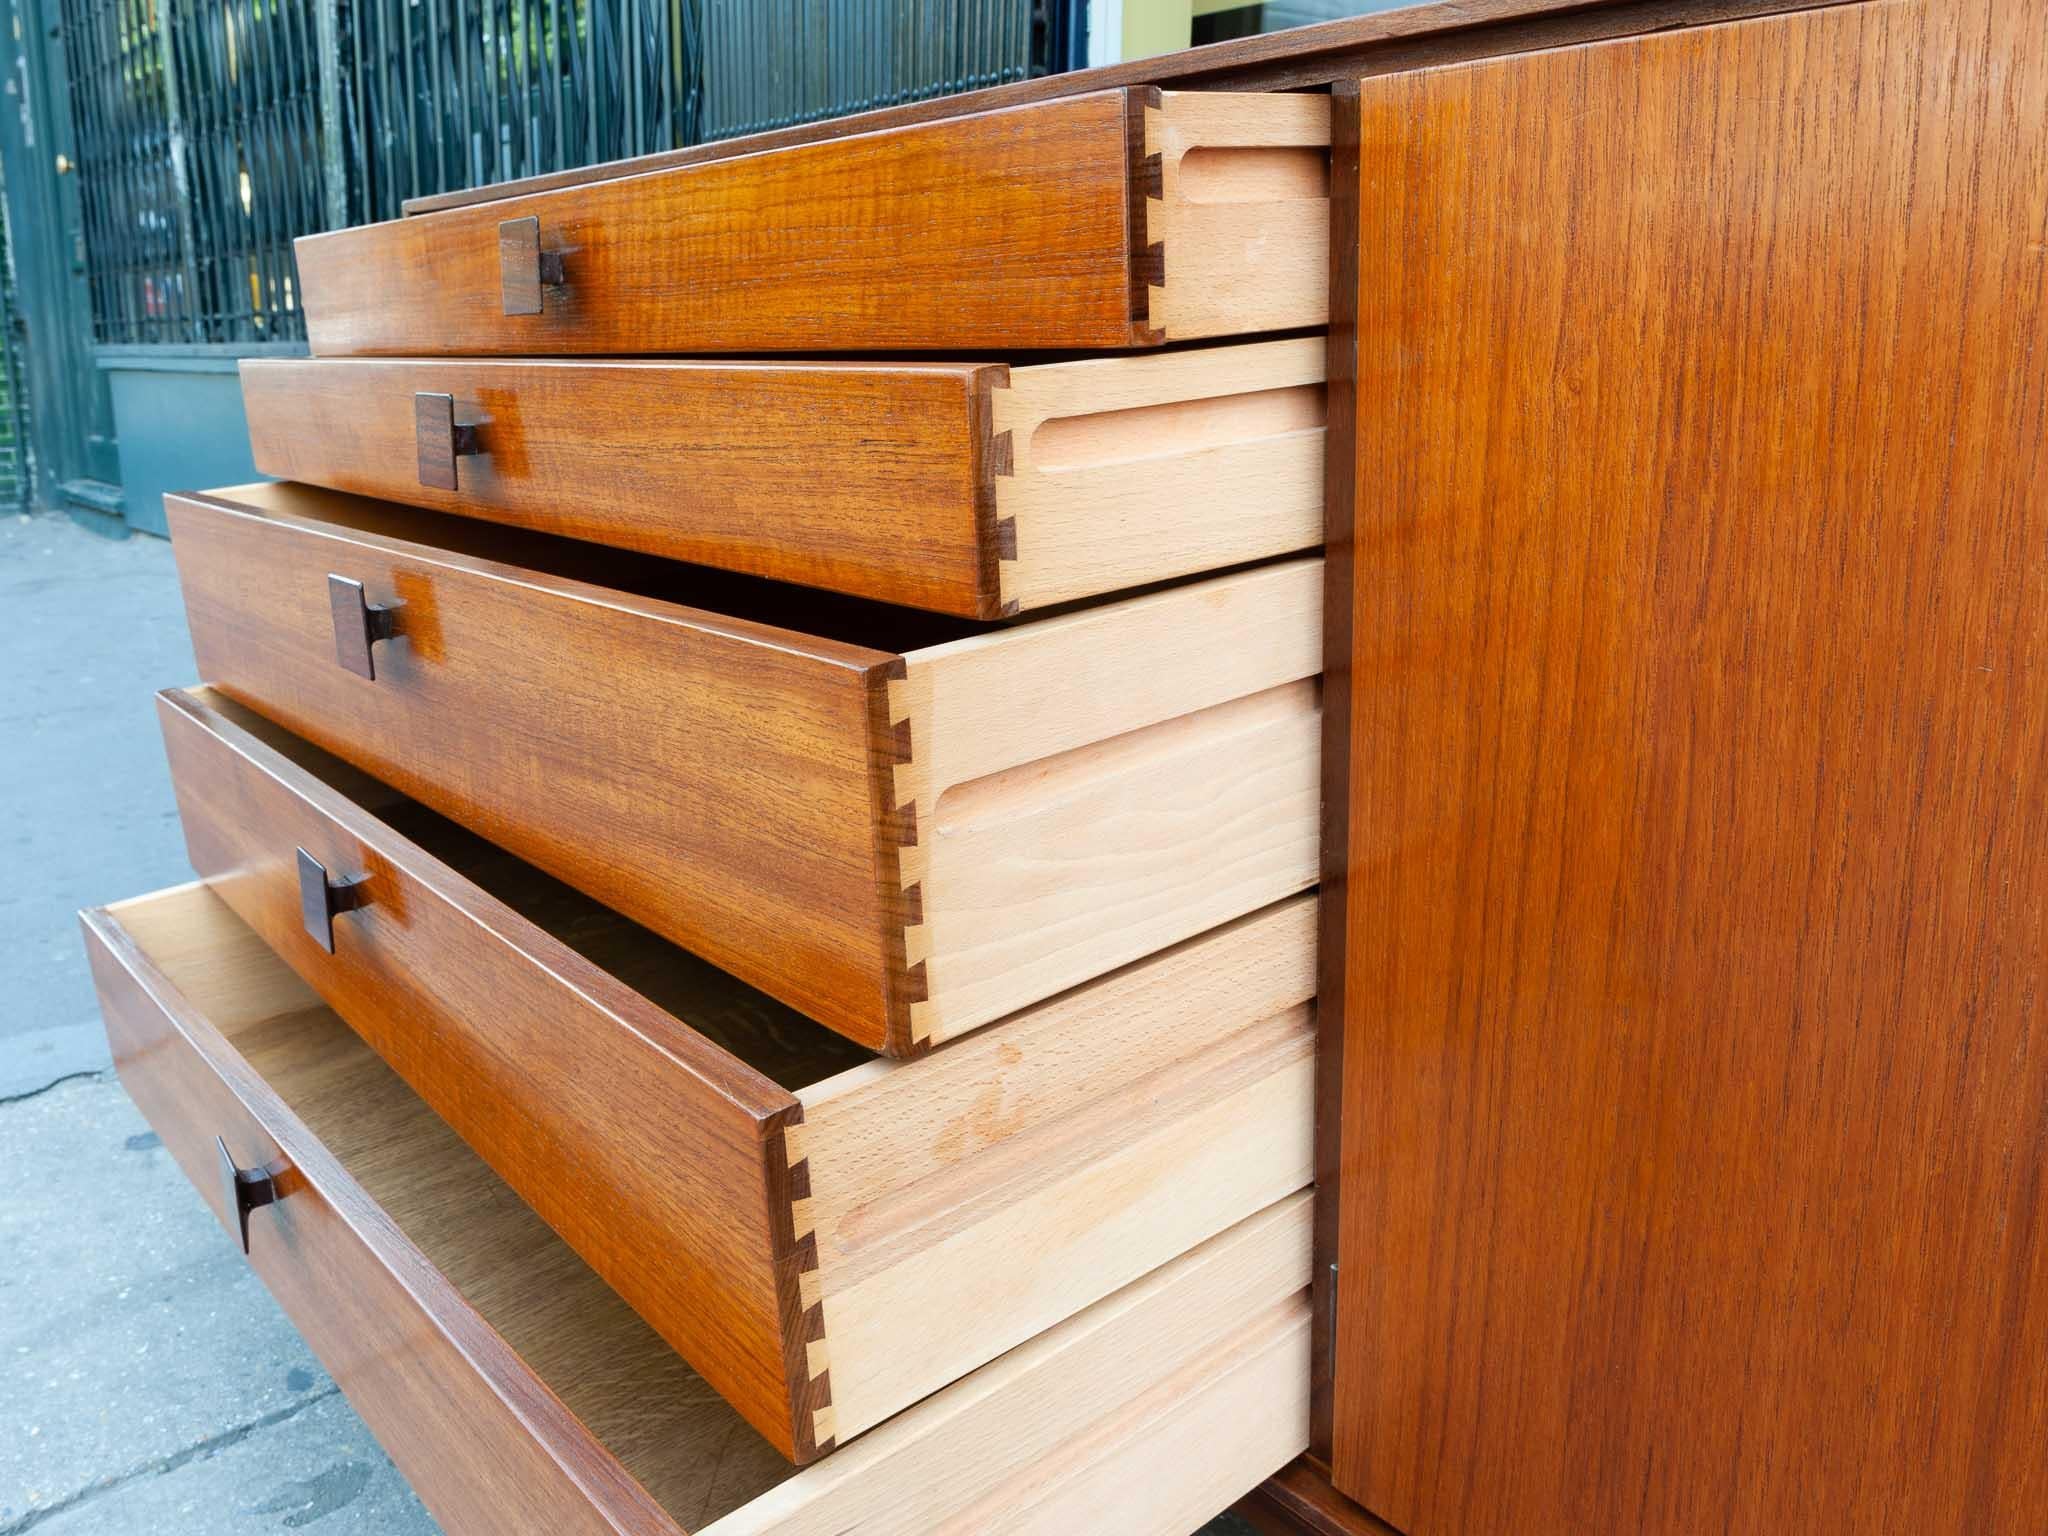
(970, 489)
(656, 1154)
(1108, 220)
(710, 779)
(904, 845)
(518, 1395)
(484, 1443)
(824, 1270)
(869, 479)
(1001, 229)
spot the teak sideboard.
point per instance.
(1313, 773)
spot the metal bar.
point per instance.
(494, 43)
(333, 165)
(181, 180)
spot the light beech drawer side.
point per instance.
(518, 1393)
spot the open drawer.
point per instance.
(825, 1235)
(976, 489)
(1112, 219)
(902, 825)
(521, 1395)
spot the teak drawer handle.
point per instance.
(247, 1189)
(321, 897)
(439, 440)
(524, 269)
(358, 625)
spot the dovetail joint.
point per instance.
(810, 1291)
(908, 895)
(1148, 268)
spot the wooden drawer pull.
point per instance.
(358, 625)
(524, 269)
(320, 898)
(440, 440)
(246, 1189)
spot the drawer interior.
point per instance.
(783, 1045)
(1150, 1410)
(730, 594)
(677, 1436)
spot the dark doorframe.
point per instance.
(76, 466)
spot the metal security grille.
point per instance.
(459, 93)
(245, 101)
(127, 189)
(14, 477)
(776, 62)
(211, 133)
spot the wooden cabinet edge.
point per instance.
(1300, 1501)
(333, 422)
(1340, 493)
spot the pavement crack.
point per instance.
(94, 1074)
(158, 1466)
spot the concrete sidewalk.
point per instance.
(148, 1384)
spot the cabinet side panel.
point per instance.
(1695, 1073)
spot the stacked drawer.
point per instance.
(787, 874)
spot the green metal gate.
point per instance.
(199, 138)
(14, 476)
(212, 132)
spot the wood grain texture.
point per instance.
(450, 1393)
(1027, 228)
(1240, 216)
(1695, 1084)
(1143, 1415)
(1407, 37)
(826, 1274)
(972, 489)
(642, 1142)
(1123, 471)
(1088, 789)
(707, 777)
(903, 843)
(519, 1393)
(862, 477)
(1006, 229)
(966, 1201)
